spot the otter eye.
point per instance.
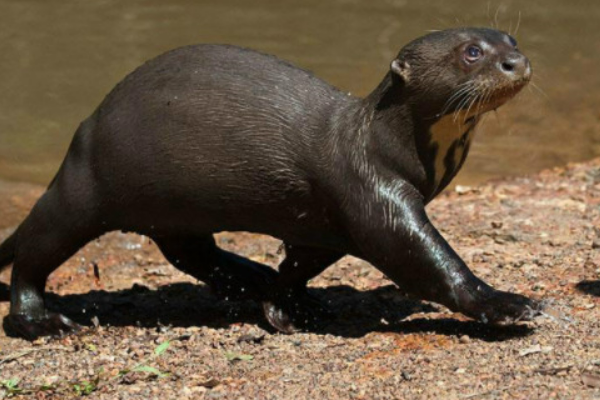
(473, 53)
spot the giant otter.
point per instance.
(210, 138)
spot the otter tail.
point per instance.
(7, 251)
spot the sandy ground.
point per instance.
(156, 333)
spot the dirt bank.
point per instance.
(155, 333)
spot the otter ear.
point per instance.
(401, 68)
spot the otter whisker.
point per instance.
(460, 105)
(463, 92)
(539, 89)
(488, 95)
(518, 24)
(470, 106)
(480, 102)
(457, 99)
(463, 86)
(457, 96)
(496, 23)
(483, 100)
(468, 100)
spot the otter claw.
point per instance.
(503, 308)
(294, 313)
(278, 319)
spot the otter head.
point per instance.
(467, 70)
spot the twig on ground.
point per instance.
(23, 353)
(473, 395)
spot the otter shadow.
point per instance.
(4, 292)
(384, 309)
(355, 313)
(589, 287)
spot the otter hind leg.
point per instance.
(60, 223)
(230, 276)
(291, 308)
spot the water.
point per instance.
(59, 59)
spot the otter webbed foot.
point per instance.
(501, 308)
(52, 324)
(295, 311)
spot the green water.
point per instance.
(59, 58)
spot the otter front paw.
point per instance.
(52, 324)
(294, 312)
(502, 308)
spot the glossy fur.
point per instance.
(209, 138)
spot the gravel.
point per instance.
(153, 332)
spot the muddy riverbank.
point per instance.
(537, 235)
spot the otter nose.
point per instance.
(516, 66)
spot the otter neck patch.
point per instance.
(450, 140)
